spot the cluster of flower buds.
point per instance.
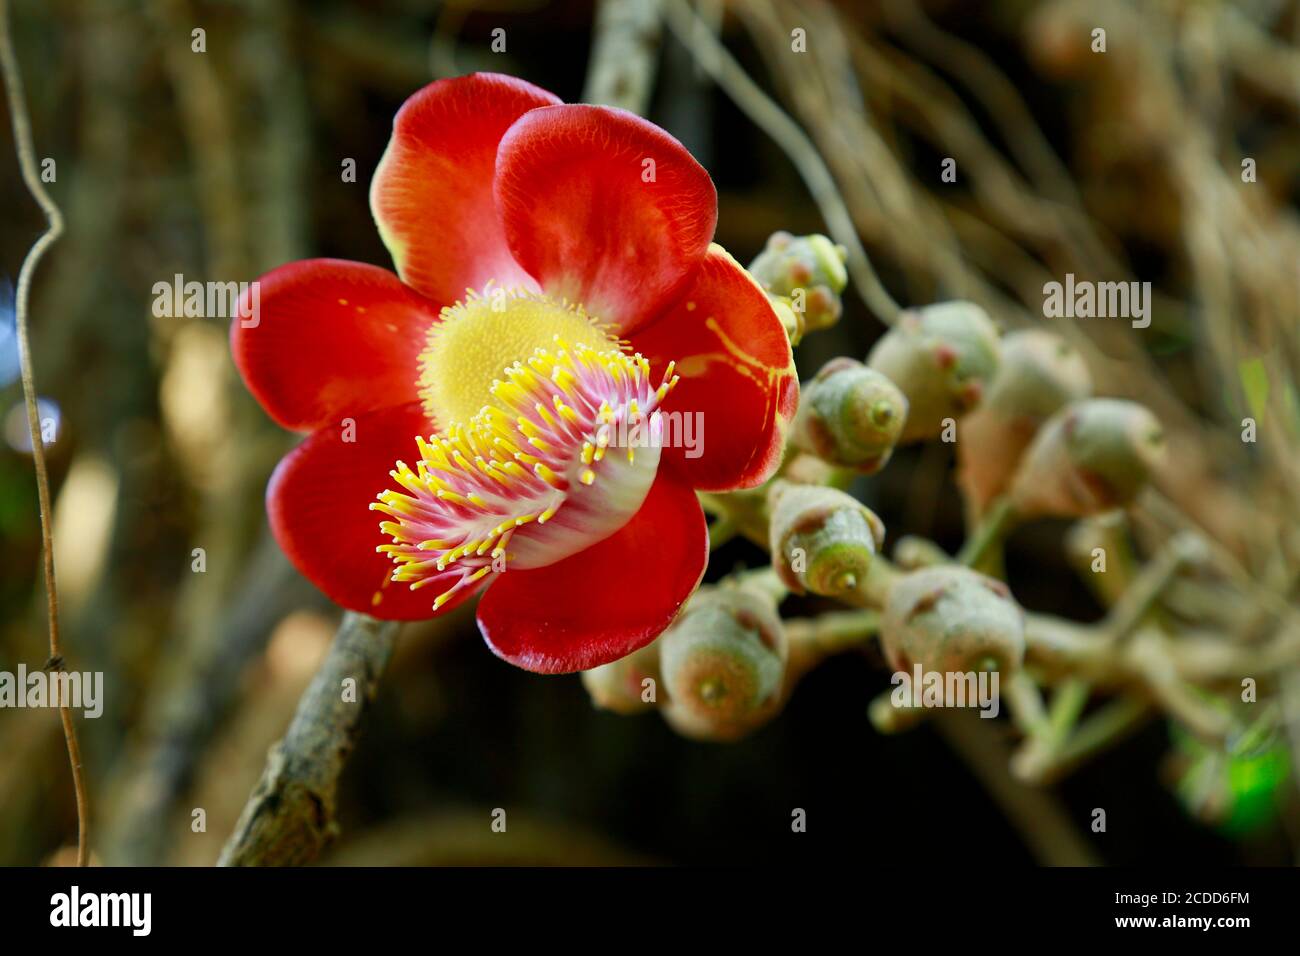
(951, 619)
(804, 276)
(723, 663)
(822, 539)
(1039, 373)
(1090, 457)
(850, 415)
(629, 685)
(942, 357)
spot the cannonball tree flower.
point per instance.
(473, 420)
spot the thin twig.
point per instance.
(1039, 764)
(22, 129)
(814, 639)
(996, 524)
(695, 35)
(1182, 550)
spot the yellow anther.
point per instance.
(546, 416)
(562, 377)
(548, 476)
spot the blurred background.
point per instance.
(1122, 165)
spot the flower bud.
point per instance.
(791, 321)
(629, 685)
(822, 539)
(1039, 372)
(951, 619)
(1091, 456)
(942, 357)
(804, 469)
(723, 663)
(913, 551)
(850, 415)
(809, 272)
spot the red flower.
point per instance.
(555, 262)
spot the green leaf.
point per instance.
(1254, 383)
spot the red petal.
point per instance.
(332, 339)
(736, 371)
(582, 219)
(605, 602)
(319, 506)
(432, 193)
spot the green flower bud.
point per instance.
(791, 321)
(1091, 456)
(822, 539)
(723, 663)
(942, 357)
(809, 272)
(951, 619)
(629, 685)
(1039, 373)
(850, 415)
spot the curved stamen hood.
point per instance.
(562, 455)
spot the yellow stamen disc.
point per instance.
(477, 338)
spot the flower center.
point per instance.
(477, 339)
(549, 439)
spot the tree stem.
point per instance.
(290, 817)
